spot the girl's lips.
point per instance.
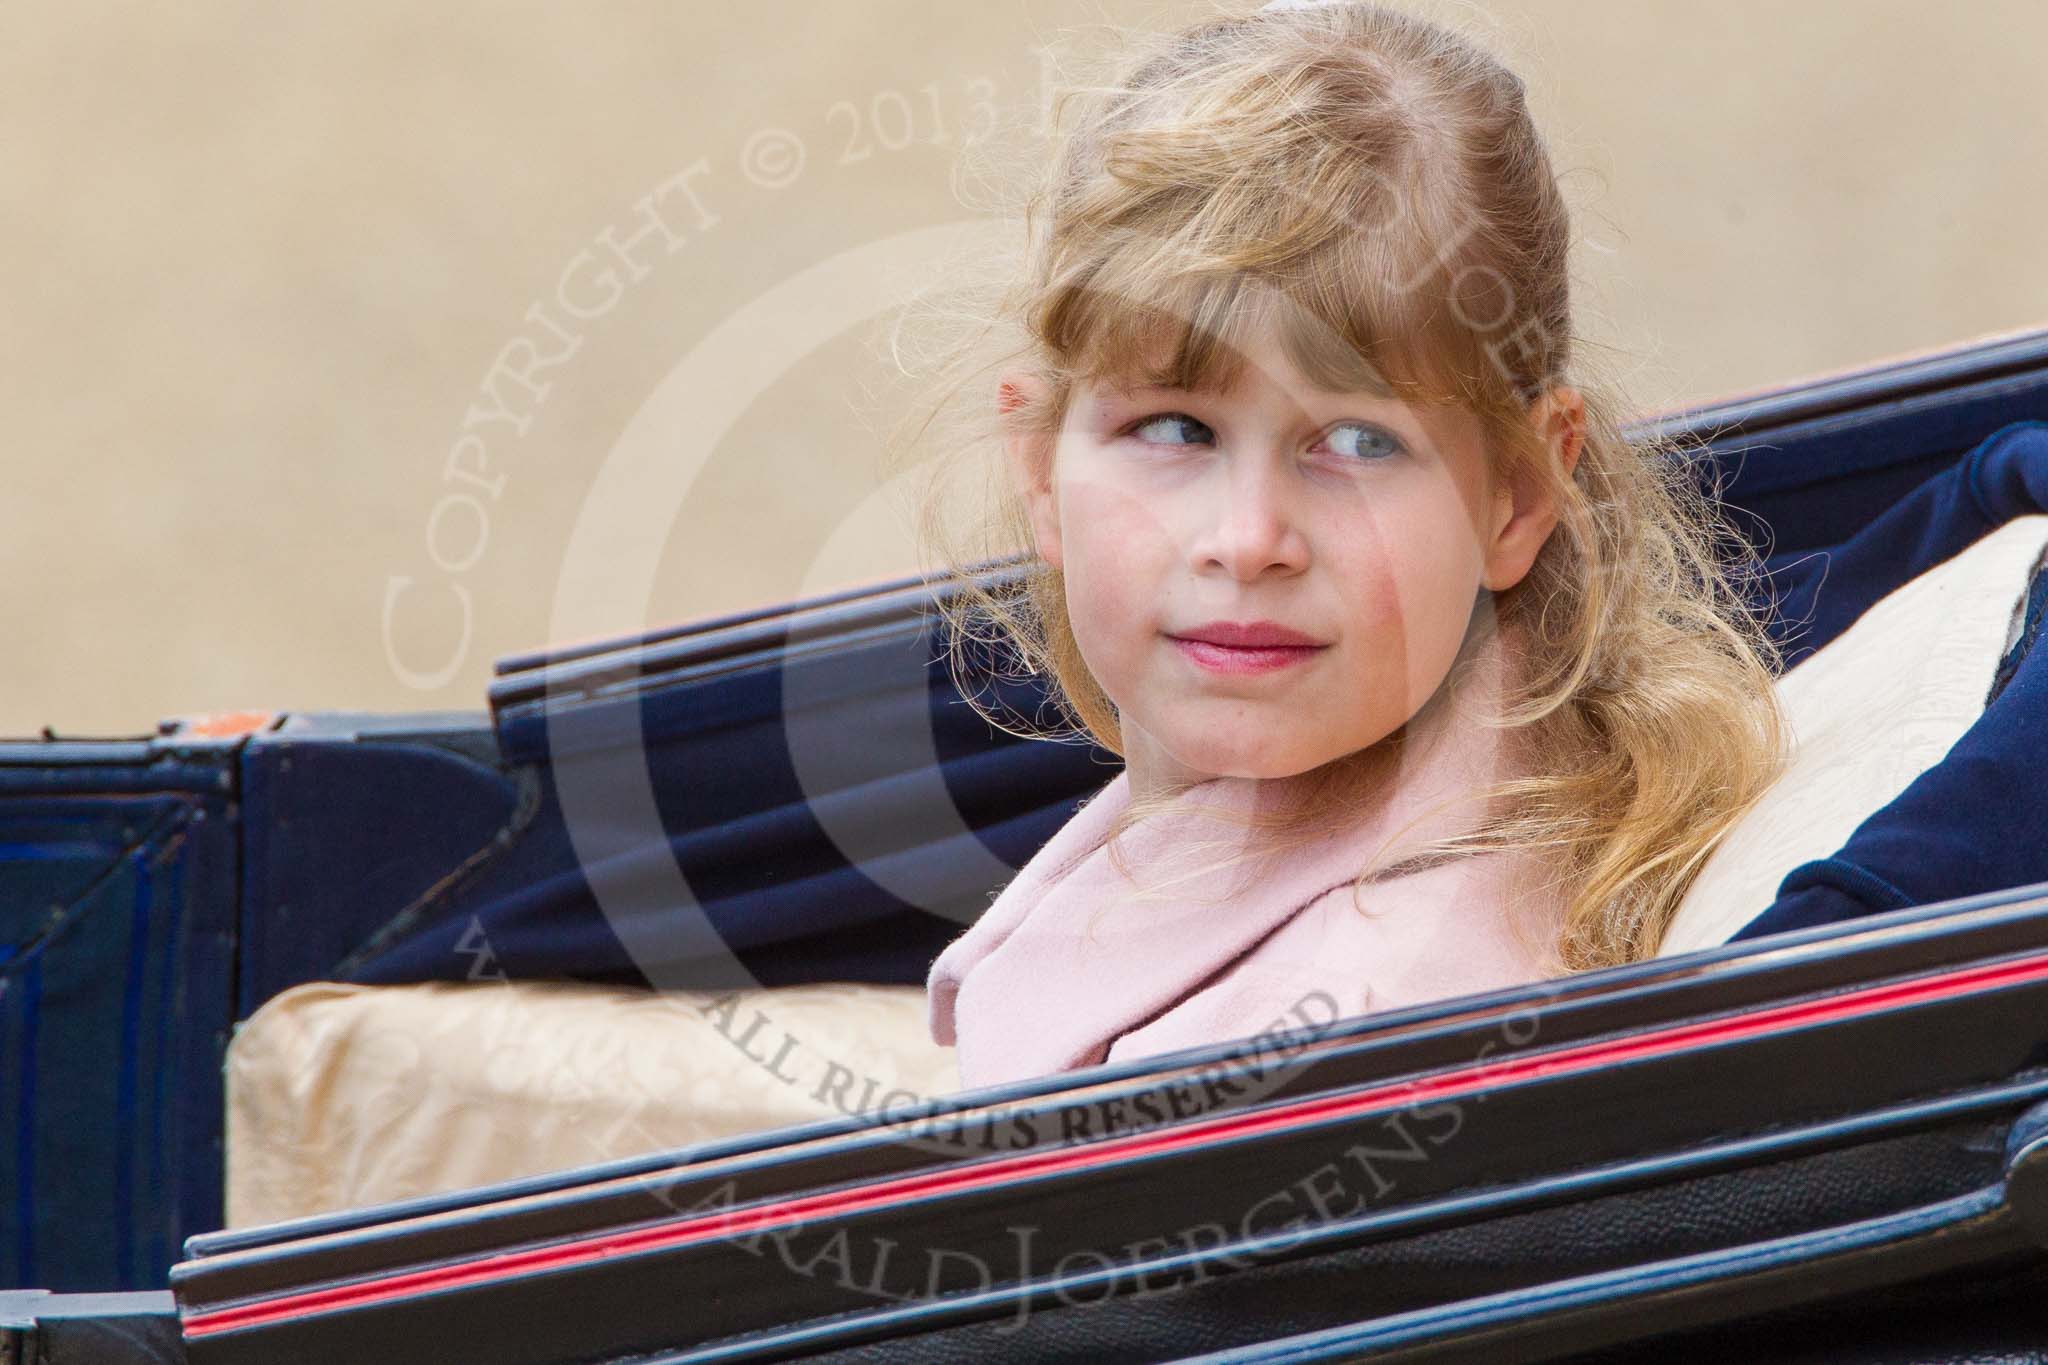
(1232, 659)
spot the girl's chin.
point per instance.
(1193, 743)
(1255, 761)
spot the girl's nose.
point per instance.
(1251, 526)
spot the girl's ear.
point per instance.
(1030, 456)
(1526, 511)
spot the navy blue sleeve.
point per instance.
(1819, 595)
(1977, 821)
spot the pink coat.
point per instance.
(1069, 968)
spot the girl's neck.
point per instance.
(1153, 772)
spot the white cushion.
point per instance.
(1877, 706)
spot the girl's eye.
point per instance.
(1167, 422)
(1354, 440)
(1366, 442)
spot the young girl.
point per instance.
(1425, 680)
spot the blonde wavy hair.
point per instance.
(1380, 175)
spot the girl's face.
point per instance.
(1365, 528)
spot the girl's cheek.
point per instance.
(1409, 584)
(1117, 531)
(1369, 569)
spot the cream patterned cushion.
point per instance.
(1873, 709)
(340, 1096)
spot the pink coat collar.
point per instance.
(1069, 959)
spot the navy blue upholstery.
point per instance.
(117, 930)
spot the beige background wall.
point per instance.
(261, 258)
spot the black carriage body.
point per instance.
(1621, 1162)
(1535, 1172)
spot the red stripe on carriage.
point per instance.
(1443, 1085)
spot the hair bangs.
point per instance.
(1196, 330)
